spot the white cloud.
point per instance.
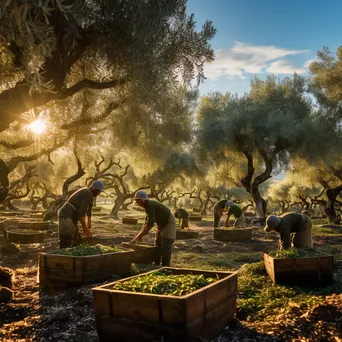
(283, 67)
(308, 62)
(243, 58)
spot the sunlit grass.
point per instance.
(259, 299)
(319, 230)
(214, 261)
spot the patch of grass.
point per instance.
(319, 221)
(259, 299)
(190, 260)
(319, 230)
(142, 268)
(335, 250)
(214, 261)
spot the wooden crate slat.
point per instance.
(232, 235)
(195, 218)
(34, 225)
(301, 271)
(83, 270)
(130, 306)
(204, 328)
(129, 220)
(16, 237)
(145, 254)
(203, 313)
(182, 234)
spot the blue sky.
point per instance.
(261, 37)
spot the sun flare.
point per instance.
(37, 127)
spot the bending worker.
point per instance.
(237, 212)
(160, 214)
(78, 207)
(183, 217)
(219, 208)
(294, 229)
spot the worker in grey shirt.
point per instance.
(77, 208)
(294, 230)
(160, 214)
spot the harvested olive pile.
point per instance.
(25, 231)
(89, 250)
(297, 253)
(165, 283)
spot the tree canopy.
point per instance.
(54, 49)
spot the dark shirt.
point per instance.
(222, 203)
(158, 213)
(79, 204)
(181, 213)
(234, 210)
(290, 223)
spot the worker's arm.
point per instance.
(285, 237)
(89, 223)
(84, 213)
(149, 223)
(226, 223)
(143, 231)
(86, 231)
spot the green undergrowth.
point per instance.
(165, 283)
(318, 230)
(297, 253)
(85, 250)
(335, 250)
(218, 261)
(259, 299)
(320, 221)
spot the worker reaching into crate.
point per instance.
(157, 213)
(235, 210)
(294, 230)
(183, 217)
(77, 208)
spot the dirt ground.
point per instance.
(37, 315)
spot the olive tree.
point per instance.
(52, 50)
(255, 134)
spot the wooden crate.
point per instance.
(11, 213)
(309, 271)
(25, 238)
(195, 218)
(36, 215)
(129, 220)
(101, 213)
(33, 225)
(55, 269)
(232, 234)
(198, 316)
(143, 253)
(182, 234)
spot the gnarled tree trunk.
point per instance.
(4, 182)
(330, 207)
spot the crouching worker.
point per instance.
(160, 214)
(78, 207)
(237, 212)
(295, 230)
(183, 218)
